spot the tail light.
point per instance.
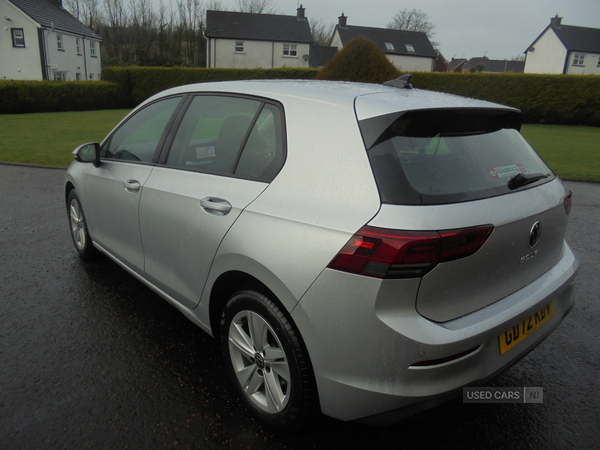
(385, 253)
(568, 202)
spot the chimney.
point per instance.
(342, 21)
(555, 21)
(301, 15)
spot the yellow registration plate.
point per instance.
(519, 332)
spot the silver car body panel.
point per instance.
(112, 209)
(180, 236)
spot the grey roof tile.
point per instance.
(580, 39)
(257, 27)
(398, 38)
(319, 56)
(49, 14)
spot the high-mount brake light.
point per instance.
(385, 253)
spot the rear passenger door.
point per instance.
(223, 155)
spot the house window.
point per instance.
(78, 76)
(239, 46)
(60, 76)
(91, 76)
(18, 37)
(78, 45)
(59, 42)
(578, 59)
(410, 48)
(389, 46)
(92, 49)
(290, 50)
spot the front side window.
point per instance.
(60, 76)
(92, 48)
(18, 37)
(290, 50)
(239, 46)
(229, 136)
(578, 59)
(450, 156)
(78, 45)
(138, 138)
(59, 42)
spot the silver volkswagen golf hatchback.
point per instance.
(364, 251)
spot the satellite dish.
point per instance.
(305, 57)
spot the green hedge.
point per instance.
(140, 83)
(556, 99)
(50, 96)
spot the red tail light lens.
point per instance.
(568, 202)
(384, 253)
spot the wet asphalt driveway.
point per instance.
(90, 358)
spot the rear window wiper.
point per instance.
(520, 180)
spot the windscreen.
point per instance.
(449, 156)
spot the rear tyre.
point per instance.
(266, 361)
(78, 227)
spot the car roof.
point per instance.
(371, 99)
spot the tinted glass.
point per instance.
(263, 154)
(212, 133)
(137, 139)
(447, 156)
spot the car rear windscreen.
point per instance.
(450, 155)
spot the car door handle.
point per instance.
(132, 185)
(215, 205)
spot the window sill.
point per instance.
(288, 56)
(19, 46)
(60, 49)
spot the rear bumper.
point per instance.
(366, 341)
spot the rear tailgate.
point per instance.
(504, 264)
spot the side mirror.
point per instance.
(88, 153)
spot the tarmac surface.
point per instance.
(90, 358)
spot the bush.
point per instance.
(556, 99)
(140, 83)
(359, 60)
(51, 96)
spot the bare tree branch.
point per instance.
(413, 20)
(257, 6)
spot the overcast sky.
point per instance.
(498, 29)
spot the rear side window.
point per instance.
(449, 156)
(229, 136)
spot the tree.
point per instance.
(257, 6)
(321, 32)
(413, 20)
(359, 60)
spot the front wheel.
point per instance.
(266, 360)
(78, 227)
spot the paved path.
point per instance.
(90, 357)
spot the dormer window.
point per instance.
(410, 48)
(389, 46)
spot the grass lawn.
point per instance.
(49, 138)
(572, 152)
